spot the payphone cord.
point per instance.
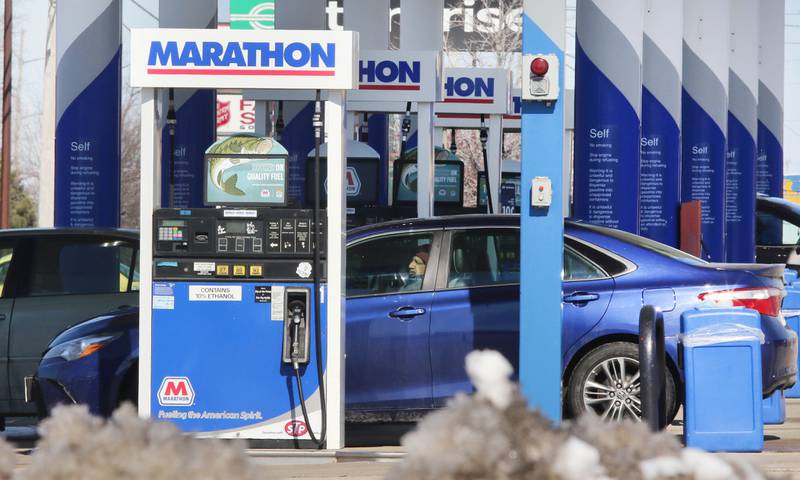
(484, 137)
(404, 129)
(171, 123)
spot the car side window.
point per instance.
(75, 266)
(578, 268)
(483, 257)
(129, 260)
(773, 231)
(388, 264)
(6, 253)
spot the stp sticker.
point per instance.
(175, 392)
(303, 270)
(295, 428)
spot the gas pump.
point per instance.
(241, 323)
(248, 263)
(398, 81)
(362, 180)
(478, 99)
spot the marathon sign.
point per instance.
(288, 59)
(471, 91)
(406, 76)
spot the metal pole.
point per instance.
(5, 217)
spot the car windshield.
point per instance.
(647, 244)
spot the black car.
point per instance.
(777, 231)
(51, 279)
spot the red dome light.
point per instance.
(539, 66)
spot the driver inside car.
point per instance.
(416, 271)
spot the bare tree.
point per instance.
(130, 168)
(494, 44)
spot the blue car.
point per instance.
(423, 293)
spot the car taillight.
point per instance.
(766, 301)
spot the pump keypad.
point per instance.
(235, 233)
(172, 234)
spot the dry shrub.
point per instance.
(74, 444)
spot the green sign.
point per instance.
(252, 14)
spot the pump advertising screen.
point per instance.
(245, 180)
(448, 182)
(245, 170)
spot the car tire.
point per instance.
(613, 393)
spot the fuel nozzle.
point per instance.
(296, 339)
(297, 320)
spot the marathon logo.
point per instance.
(389, 75)
(176, 391)
(242, 58)
(469, 90)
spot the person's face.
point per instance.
(416, 268)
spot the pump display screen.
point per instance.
(361, 181)
(245, 180)
(236, 228)
(448, 182)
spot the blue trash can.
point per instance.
(774, 412)
(721, 350)
(789, 276)
(791, 313)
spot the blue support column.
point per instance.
(660, 173)
(740, 204)
(542, 238)
(88, 93)
(608, 98)
(769, 165)
(704, 124)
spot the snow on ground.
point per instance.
(493, 435)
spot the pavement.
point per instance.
(780, 458)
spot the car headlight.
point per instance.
(79, 348)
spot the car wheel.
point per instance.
(606, 381)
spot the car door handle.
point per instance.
(2, 316)
(407, 313)
(581, 297)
